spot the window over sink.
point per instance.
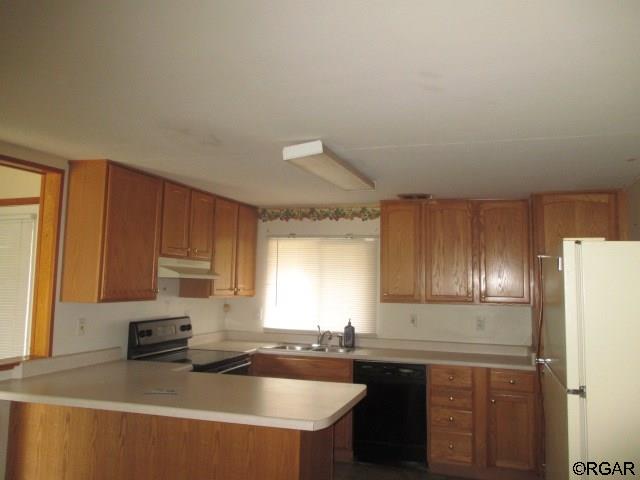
(321, 281)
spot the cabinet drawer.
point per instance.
(446, 376)
(455, 399)
(451, 419)
(451, 447)
(512, 380)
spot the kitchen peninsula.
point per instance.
(152, 420)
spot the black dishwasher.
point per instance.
(390, 424)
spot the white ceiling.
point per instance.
(456, 98)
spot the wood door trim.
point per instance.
(10, 202)
(49, 219)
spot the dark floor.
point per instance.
(368, 471)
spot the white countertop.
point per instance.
(129, 386)
(388, 355)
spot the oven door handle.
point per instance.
(235, 367)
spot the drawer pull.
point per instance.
(512, 382)
(451, 378)
(450, 445)
(451, 399)
(451, 419)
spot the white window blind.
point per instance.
(321, 281)
(17, 234)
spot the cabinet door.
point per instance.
(400, 250)
(175, 220)
(449, 251)
(246, 251)
(201, 236)
(224, 239)
(570, 215)
(503, 234)
(132, 227)
(512, 431)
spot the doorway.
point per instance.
(30, 207)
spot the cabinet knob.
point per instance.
(450, 445)
(451, 378)
(493, 400)
(195, 250)
(451, 399)
(156, 290)
(451, 419)
(512, 382)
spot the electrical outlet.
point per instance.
(481, 323)
(81, 326)
(413, 320)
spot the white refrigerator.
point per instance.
(590, 361)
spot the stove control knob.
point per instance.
(149, 332)
(142, 333)
(185, 328)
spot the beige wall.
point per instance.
(634, 210)
(16, 183)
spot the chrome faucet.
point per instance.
(321, 335)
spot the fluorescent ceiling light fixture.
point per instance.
(316, 158)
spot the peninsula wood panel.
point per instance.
(313, 368)
(132, 226)
(247, 240)
(401, 263)
(448, 234)
(50, 442)
(225, 232)
(503, 231)
(175, 220)
(201, 226)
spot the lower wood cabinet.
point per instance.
(313, 368)
(482, 422)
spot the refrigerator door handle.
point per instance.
(581, 391)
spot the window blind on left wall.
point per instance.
(17, 239)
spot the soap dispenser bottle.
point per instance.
(349, 336)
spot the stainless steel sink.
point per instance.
(296, 348)
(308, 347)
(331, 349)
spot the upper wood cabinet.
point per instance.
(455, 251)
(201, 226)
(187, 223)
(448, 235)
(401, 251)
(571, 215)
(246, 251)
(504, 253)
(175, 220)
(225, 232)
(235, 237)
(112, 234)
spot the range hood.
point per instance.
(183, 268)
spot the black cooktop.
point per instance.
(195, 357)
